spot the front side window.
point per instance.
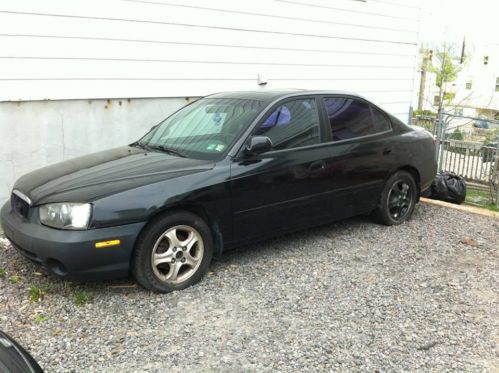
(205, 129)
(291, 125)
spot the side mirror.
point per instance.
(258, 145)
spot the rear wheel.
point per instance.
(173, 252)
(397, 200)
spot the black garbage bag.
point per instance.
(447, 187)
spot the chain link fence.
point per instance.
(470, 150)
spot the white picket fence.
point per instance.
(473, 161)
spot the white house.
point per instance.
(79, 76)
(476, 86)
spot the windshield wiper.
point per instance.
(158, 147)
(139, 144)
(166, 150)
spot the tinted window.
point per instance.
(348, 118)
(206, 129)
(381, 122)
(293, 124)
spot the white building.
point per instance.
(476, 86)
(80, 76)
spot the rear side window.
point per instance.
(291, 125)
(380, 121)
(350, 118)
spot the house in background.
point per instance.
(477, 85)
(81, 76)
(475, 91)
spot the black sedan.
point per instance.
(224, 171)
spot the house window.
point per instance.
(436, 100)
(486, 60)
(468, 85)
(497, 84)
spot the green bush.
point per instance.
(416, 113)
(456, 135)
(491, 136)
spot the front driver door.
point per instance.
(287, 187)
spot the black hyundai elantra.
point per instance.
(224, 171)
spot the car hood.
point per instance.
(96, 175)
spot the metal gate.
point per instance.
(476, 161)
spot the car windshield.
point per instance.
(206, 129)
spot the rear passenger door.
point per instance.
(360, 152)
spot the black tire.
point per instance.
(390, 203)
(151, 239)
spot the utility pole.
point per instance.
(427, 55)
(463, 51)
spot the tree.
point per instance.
(446, 69)
(456, 135)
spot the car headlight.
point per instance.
(66, 215)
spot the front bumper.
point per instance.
(72, 254)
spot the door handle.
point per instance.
(317, 165)
(387, 151)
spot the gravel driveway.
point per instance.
(348, 296)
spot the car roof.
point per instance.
(272, 95)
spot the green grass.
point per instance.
(82, 297)
(40, 318)
(480, 198)
(3, 272)
(37, 293)
(14, 279)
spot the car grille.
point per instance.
(19, 205)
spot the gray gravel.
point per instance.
(348, 296)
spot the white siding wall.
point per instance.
(113, 68)
(59, 49)
(34, 134)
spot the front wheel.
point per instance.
(173, 252)
(397, 200)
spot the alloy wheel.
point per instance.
(400, 198)
(177, 254)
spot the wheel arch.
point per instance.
(197, 210)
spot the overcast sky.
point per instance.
(450, 20)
